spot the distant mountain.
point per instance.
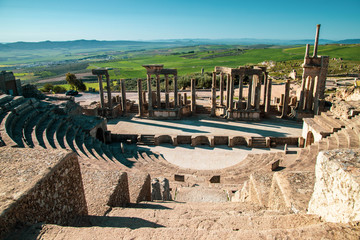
(349, 41)
(121, 45)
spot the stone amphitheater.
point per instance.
(64, 175)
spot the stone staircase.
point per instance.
(146, 140)
(175, 220)
(258, 142)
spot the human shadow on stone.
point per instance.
(116, 222)
(147, 206)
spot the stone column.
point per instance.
(227, 90)
(316, 96)
(221, 89)
(166, 91)
(316, 40)
(231, 100)
(185, 99)
(265, 76)
(257, 94)
(248, 106)
(310, 96)
(268, 96)
(302, 94)
(140, 92)
(175, 91)
(179, 103)
(193, 96)
(144, 96)
(306, 92)
(101, 91)
(286, 100)
(213, 94)
(123, 95)
(241, 88)
(158, 96)
(108, 88)
(150, 102)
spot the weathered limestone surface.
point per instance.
(139, 187)
(105, 189)
(39, 186)
(336, 195)
(291, 191)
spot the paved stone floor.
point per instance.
(202, 125)
(205, 157)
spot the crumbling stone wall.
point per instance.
(39, 186)
(336, 196)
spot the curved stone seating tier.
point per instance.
(70, 136)
(40, 128)
(18, 131)
(29, 126)
(60, 133)
(47, 140)
(50, 132)
(79, 143)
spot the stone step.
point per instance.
(61, 132)
(18, 132)
(50, 132)
(29, 127)
(40, 128)
(352, 137)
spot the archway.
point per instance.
(309, 138)
(100, 134)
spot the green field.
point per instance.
(189, 63)
(189, 60)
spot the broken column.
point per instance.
(193, 95)
(139, 85)
(101, 91)
(123, 95)
(231, 100)
(185, 99)
(285, 108)
(316, 40)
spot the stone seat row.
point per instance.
(30, 123)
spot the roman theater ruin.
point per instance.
(250, 159)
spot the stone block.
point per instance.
(336, 196)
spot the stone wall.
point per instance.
(105, 189)
(336, 196)
(40, 185)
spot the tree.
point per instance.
(74, 82)
(47, 87)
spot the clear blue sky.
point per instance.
(40, 20)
